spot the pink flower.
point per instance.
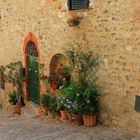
(63, 78)
(60, 72)
(61, 87)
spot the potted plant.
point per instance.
(13, 100)
(45, 103)
(85, 96)
(90, 105)
(52, 109)
(49, 103)
(14, 74)
(74, 103)
(61, 105)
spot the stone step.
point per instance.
(29, 111)
(32, 106)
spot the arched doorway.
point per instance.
(32, 69)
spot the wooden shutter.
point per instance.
(78, 4)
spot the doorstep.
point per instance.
(30, 110)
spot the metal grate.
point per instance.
(31, 50)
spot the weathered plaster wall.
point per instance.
(112, 28)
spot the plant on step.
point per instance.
(12, 98)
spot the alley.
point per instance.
(20, 128)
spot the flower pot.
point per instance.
(73, 21)
(89, 120)
(17, 109)
(70, 117)
(51, 114)
(43, 110)
(57, 115)
(78, 119)
(64, 115)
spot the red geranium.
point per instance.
(56, 65)
(55, 80)
(60, 72)
(52, 70)
(54, 88)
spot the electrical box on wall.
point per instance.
(137, 103)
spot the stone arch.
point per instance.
(56, 59)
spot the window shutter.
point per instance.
(78, 4)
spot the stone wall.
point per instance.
(112, 30)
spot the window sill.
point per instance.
(80, 10)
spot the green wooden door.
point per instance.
(33, 79)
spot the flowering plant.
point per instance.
(61, 103)
(73, 93)
(59, 76)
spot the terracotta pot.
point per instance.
(57, 115)
(70, 117)
(17, 109)
(89, 120)
(64, 115)
(44, 110)
(51, 114)
(78, 119)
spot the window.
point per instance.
(78, 4)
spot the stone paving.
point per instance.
(20, 128)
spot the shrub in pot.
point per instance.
(14, 101)
(12, 98)
(52, 106)
(45, 103)
(90, 105)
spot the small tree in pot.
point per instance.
(90, 105)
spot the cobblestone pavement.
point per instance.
(21, 128)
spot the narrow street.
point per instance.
(14, 127)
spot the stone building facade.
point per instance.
(112, 28)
